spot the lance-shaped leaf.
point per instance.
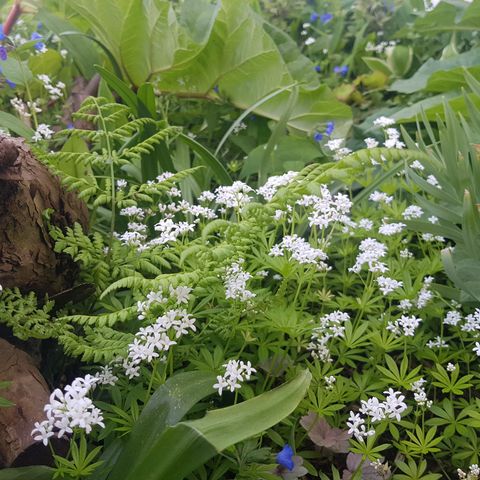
(182, 448)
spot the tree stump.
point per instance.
(29, 392)
(27, 189)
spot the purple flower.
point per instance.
(285, 457)
(326, 17)
(38, 45)
(343, 70)
(314, 17)
(330, 128)
(318, 137)
(3, 53)
(70, 126)
(10, 84)
(318, 68)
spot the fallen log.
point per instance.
(27, 190)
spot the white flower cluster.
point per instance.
(55, 91)
(69, 409)
(425, 295)
(371, 251)
(472, 474)
(379, 48)
(388, 285)
(331, 326)
(301, 251)
(150, 341)
(374, 411)
(24, 109)
(330, 382)
(335, 145)
(234, 196)
(384, 122)
(269, 189)
(380, 197)
(437, 342)
(419, 393)
(371, 142)
(235, 282)
(326, 208)
(404, 325)
(390, 229)
(411, 212)
(393, 139)
(235, 373)
(43, 131)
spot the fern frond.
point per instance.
(149, 144)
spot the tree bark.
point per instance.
(29, 392)
(27, 190)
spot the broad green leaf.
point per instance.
(15, 125)
(27, 473)
(49, 63)
(135, 43)
(187, 445)
(16, 71)
(80, 48)
(106, 19)
(166, 407)
(377, 64)
(425, 75)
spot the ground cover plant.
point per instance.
(262, 293)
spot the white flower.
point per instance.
(388, 285)
(380, 197)
(301, 251)
(334, 144)
(476, 349)
(371, 251)
(405, 323)
(437, 342)
(394, 405)
(235, 281)
(411, 212)
(389, 229)
(451, 367)
(365, 223)
(371, 142)
(431, 179)
(416, 165)
(309, 41)
(235, 372)
(43, 431)
(234, 196)
(268, 190)
(43, 132)
(453, 317)
(383, 122)
(406, 253)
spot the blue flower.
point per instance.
(343, 70)
(38, 45)
(3, 53)
(318, 136)
(10, 84)
(70, 126)
(318, 68)
(314, 17)
(215, 89)
(330, 128)
(39, 25)
(2, 35)
(326, 17)
(285, 457)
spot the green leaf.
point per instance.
(120, 87)
(81, 49)
(376, 64)
(49, 63)
(27, 473)
(135, 43)
(166, 407)
(444, 69)
(187, 445)
(16, 70)
(208, 159)
(15, 125)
